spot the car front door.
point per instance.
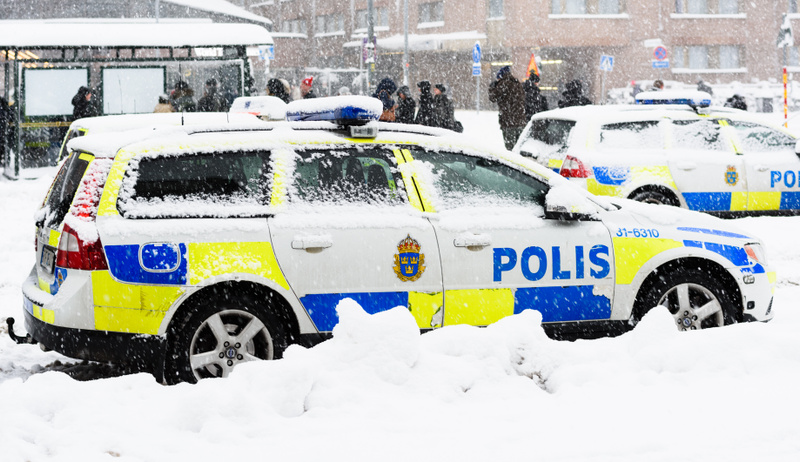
(772, 166)
(349, 231)
(705, 167)
(500, 255)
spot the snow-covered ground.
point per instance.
(381, 391)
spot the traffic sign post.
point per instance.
(606, 65)
(660, 61)
(476, 71)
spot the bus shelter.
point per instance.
(127, 66)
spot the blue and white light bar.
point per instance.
(691, 98)
(342, 110)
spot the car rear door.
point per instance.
(500, 255)
(349, 230)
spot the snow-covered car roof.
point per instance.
(43, 33)
(267, 107)
(103, 124)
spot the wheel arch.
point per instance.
(729, 283)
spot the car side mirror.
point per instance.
(566, 203)
(797, 149)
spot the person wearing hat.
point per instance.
(443, 111)
(386, 87)
(535, 101)
(163, 104)
(306, 92)
(507, 92)
(406, 106)
(276, 88)
(83, 104)
(212, 100)
(425, 114)
(573, 95)
(182, 98)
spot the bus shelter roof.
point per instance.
(96, 34)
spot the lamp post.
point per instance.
(405, 42)
(371, 51)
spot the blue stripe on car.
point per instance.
(557, 304)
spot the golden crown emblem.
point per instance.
(408, 245)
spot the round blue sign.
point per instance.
(660, 53)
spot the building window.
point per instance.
(729, 57)
(294, 26)
(698, 57)
(496, 9)
(330, 23)
(381, 18)
(707, 7)
(792, 6)
(431, 12)
(703, 57)
(586, 6)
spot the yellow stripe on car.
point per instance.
(207, 260)
(424, 306)
(477, 307)
(631, 253)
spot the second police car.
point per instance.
(671, 148)
(193, 249)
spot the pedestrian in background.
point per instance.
(737, 102)
(182, 98)
(163, 104)
(535, 101)
(573, 96)
(702, 86)
(276, 88)
(344, 91)
(443, 110)
(406, 106)
(425, 113)
(306, 92)
(658, 85)
(507, 92)
(386, 87)
(212, 100)
(83, 104)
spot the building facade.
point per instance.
(718, 41)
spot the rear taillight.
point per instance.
(75, 253)
(573, 168)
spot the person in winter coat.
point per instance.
(182, 98)
(306, 92)
(736, 102)
(507, 92)
(535, 101)
(163, 104)
(406, 106)
(573, 96)
(83, 105)
(212, 100)
(425, 113)
(443, 111)
(276, 88)
(386, 87)
(702, 86)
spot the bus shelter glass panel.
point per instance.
(49, 92)
(132, 90)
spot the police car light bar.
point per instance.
(695, 99)
(342, 110)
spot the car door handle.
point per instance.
(472, 240)
(762, 168)
(322, 241)
(686, 165)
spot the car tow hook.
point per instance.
(19, 340)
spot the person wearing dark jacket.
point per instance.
(737, 102)
(406, 106)
(443, 110)
(275, 88)
(212, 100)
(182, 98)
(573, 96)
(425, 113)
(507, 92)
(83, 104)
(386, 87)
(535, 101)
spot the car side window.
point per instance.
(639, 135)
(548, 136)
(698, 134)
(350, 175)
(759, 138)
(227, 184)
(463, 180)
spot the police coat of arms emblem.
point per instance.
(731, 175)
(409, 264)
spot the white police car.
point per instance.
(670, 148)
(192, 249)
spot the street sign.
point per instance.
(660, 64)
(660, 53)
(606, 63)
(476, 69)
(266, 52)
(476, 53)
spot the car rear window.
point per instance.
(64, 187)
(227, 184)
(547, 136)
(638, 135)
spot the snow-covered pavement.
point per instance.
(380, 390)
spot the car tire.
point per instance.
(652, 196)
(217, 335)
(695, 299)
